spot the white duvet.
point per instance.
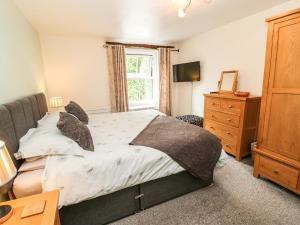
(114, 165)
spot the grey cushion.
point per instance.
(73, 128)
(42, 104)
(76, 110)
(28, 112)
(7, 132)
(35, 108)
(18, 117)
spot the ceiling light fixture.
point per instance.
(181, 13)
(183, 5)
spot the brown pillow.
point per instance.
(73, 128)
(76, 110)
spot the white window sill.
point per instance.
(142, 107)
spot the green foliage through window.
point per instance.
(139, 64)
(139, 77)
(140, 89)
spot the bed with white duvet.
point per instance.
(114, 165)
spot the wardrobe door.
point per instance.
(281, 124)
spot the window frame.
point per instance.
(155, 77)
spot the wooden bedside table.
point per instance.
(50, 216)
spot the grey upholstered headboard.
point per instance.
(17, 117)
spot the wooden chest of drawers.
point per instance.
(234, 120)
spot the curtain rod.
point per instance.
(139, 45)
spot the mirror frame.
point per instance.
(234, 84)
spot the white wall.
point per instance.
(239, 45)
(76, 69)
(21, 67)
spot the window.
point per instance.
(142, 78)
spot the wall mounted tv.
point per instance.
(186, 72)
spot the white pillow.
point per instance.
(49, 118)
(45, 140)
(33, 165)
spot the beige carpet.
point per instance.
(235, 198)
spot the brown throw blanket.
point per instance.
(192, 147)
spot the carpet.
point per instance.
(235, 198)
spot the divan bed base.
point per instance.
(114, 206)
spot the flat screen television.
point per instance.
(186, 72)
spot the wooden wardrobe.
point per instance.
(277, 156)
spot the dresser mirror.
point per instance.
(228, 82)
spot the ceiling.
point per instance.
(151, 21)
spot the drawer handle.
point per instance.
(213, 116)
(214, 103)
(276, 171)
(139, 196)
(229, 120)
(230, 106)
(229, 133)
(212, 127)
(228, 146)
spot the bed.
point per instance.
(156, 179)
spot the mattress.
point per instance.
(28, 183)
(114, 165)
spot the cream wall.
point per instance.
(21, 67)
(76, 69)
(239, 45)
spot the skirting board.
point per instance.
(104, 109)
(107, 109)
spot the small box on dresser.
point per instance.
(234, 120)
